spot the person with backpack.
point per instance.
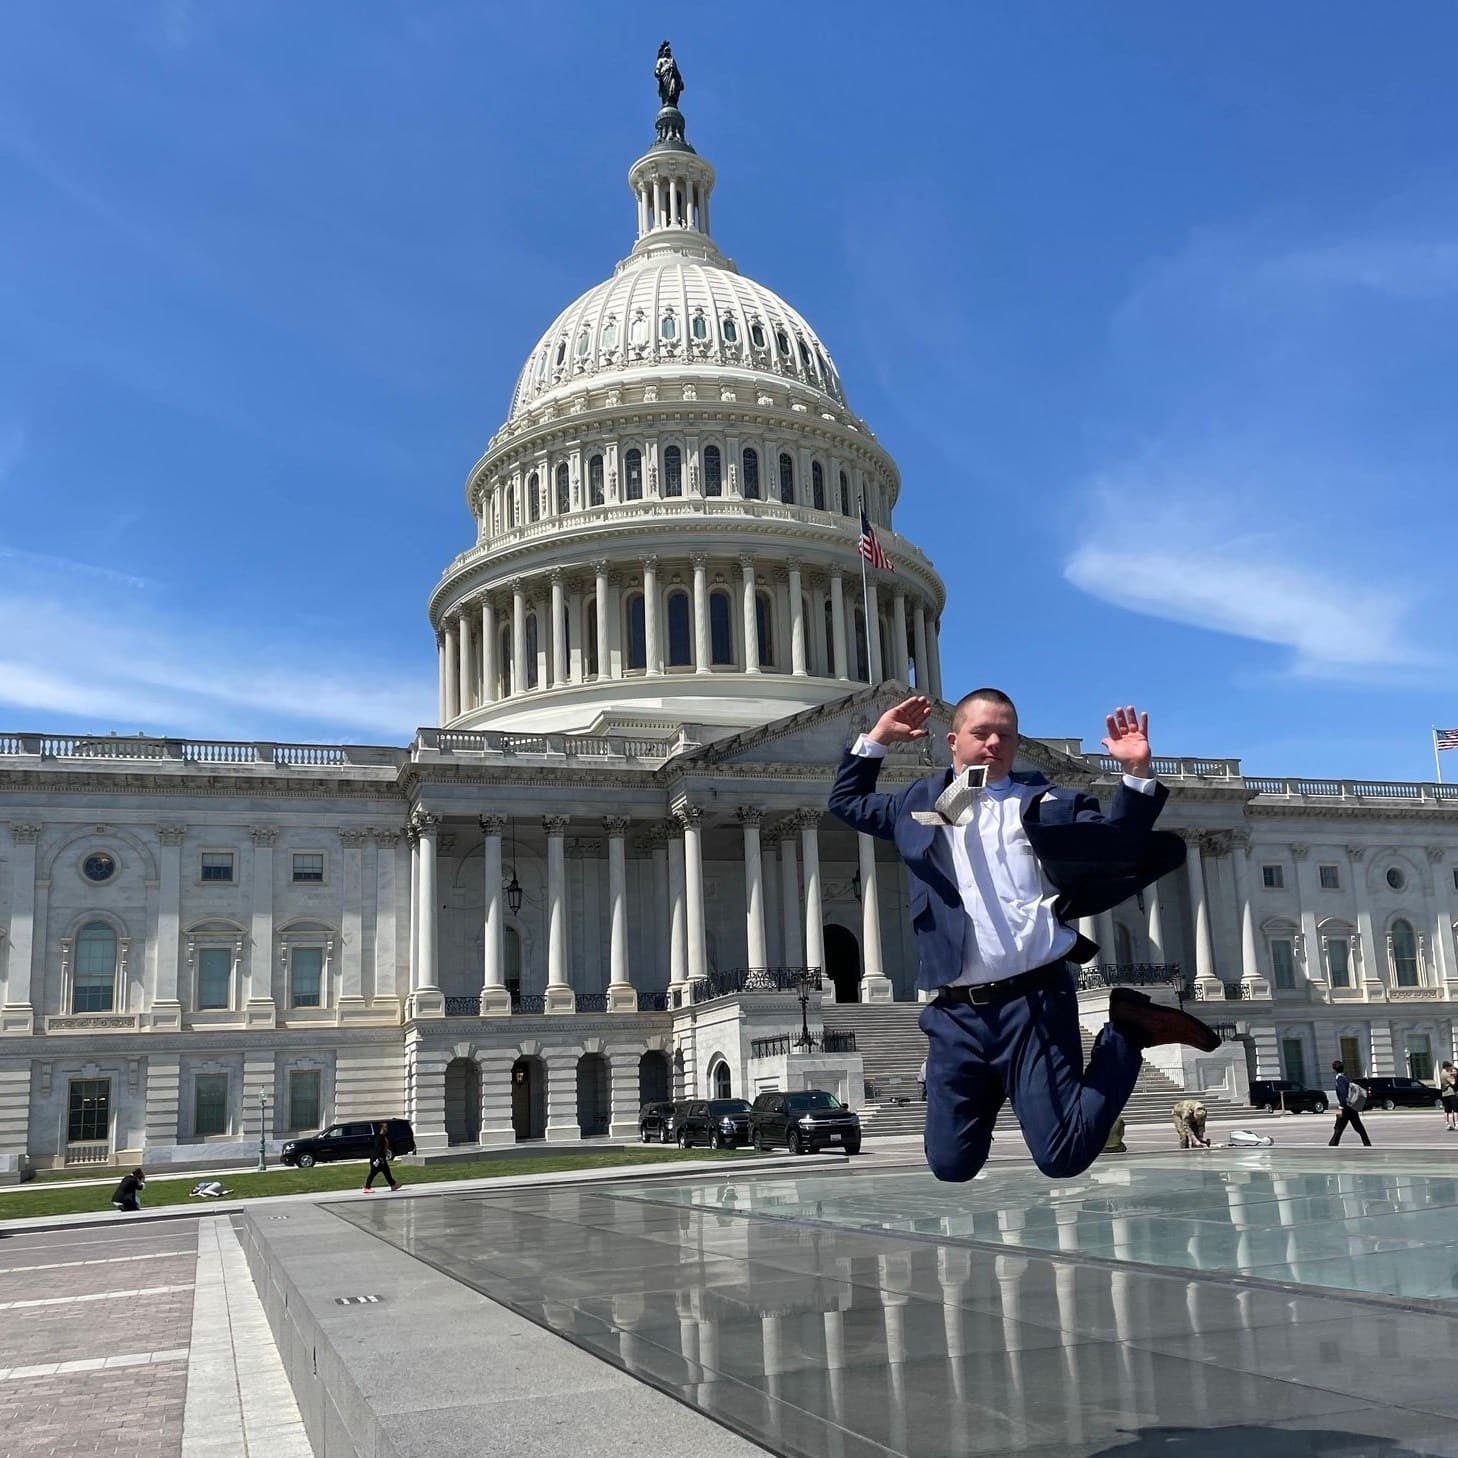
(380, 1161)
(1351, 1100)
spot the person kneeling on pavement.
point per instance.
(1189, 1124)
(128, 1194)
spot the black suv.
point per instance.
(1400, 1093)
(804, 1120)
(719, 1123)
(348, 1141)
(1277, 1093)
(655, 1122)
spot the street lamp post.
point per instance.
(262, 1132)
(804, 1040)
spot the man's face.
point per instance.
(987, 734)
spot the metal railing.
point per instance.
(528, 1002)
(592, 1002)
(726, 982)
(1239, 991)
(1130, 974)
(463, 1007)
(833, 1040)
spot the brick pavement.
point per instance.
(132, 1407)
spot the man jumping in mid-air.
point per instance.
(997, 874)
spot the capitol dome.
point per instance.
(669, 519)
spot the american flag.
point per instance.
(1443, 738)
(870, 548)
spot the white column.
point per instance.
(412, 833)
(427, 994)
(166, 1007)
(1443, 879)
(604, 622)
(1308, 944)
(790, 894)
(677, 916)
(465, 661)
(19, 1013)
(750, 817)
(621, 997)
(751, 617)
(453, 670)
(873, 632)
(918, 629)
(653, 652)
(837, 624)
(351, 951)
(1436, 967)
(386, 959)
(1204, 949)
(900, 663)
(559, 631)
(261, 1011)
(1373, 967)
(488, 651)
(442, 676)
(1240, 864)
(495, 999)
(809, 821)
(703, 661)
(875, 985)
(560, 997)
(1156, 922)
(693, 876)
(797, 623)
(518, 638)
(934, 648)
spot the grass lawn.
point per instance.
(56, 1199)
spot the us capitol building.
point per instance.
(608, 876)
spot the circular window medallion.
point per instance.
(1396, 879)
(98, 867)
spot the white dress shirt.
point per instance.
(1008, 901)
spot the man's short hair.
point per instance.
(986, 696)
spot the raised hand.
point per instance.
(1128, 742)
(903, 722)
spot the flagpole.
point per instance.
(1437, 758)
(866, 595)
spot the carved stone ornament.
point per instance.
(750, 814)
(555, 824)
(616, 825)
(1300, 852)
(265, 836)
(353, 839)
(25, 834)
(1436, 853)
(494, 824)
(688, 815)
(1356, 852)
(386, 837)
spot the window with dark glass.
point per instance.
(700, 327)
(729, 329)
(214, 977)
(672, 471)
(583, 344)
(532, 671)
(817, 485)
(1283, 962)
(633, 474)
(509, 520)
(1404, 953)
(1339, 961)
(756, 336)
(680, 632)
(306, 976)
(783, 341)
(98, 867)
(88, 1110)
(93, 984)
(751, 473)
(216, 866)
(830, 669)
(561, 352)
(1331, 877)
(304, 1099)
(721, 629)
(534, 497)
(713, 471)
(503, 659)
(863, 667)
(591, 635)
(564, 490)
(210, 1104)
(637, 633)
(787, 479)
(594, 481)
(668, 327)
(1273, 878)
(844, 494)
(308, 866)
(805, 358)
(764, 629)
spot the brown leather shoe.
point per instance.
(1147, 1025)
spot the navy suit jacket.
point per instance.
(1093, 861)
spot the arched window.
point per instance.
(610, 334)
(531, 650)
(590, 633)
(723, 1086)
(633, 474)
(584, 343)
(637, 633)
(783, 340)
(729, 329)
(594, 482)
(863, 667)
(668, 327)
(787, 479)
(503, 659)
(1123, 945)
(512, 940)
(713, 471)
(764, 623)
(534, 497)
(1404, 954)
(680, 631)
(564, 490)
(93, 985)
(817, 485)
(672, 471)
(751, 473)
(561, 352)
(721, 628)
(699, 327)
(509, 518)
(830, 669)
(756, 335)
(844, 494)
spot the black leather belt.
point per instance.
(1022, 983)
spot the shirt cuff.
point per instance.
(1142, 787)
(865, 748)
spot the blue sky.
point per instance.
(1156, 307)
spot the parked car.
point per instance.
(1277, 1093)
(655, 1121)
(1400, 1093)
(719, 1123)
(348, 1141)
(804, 1120)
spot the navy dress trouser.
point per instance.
(1027, 1049)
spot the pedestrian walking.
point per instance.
(1351, 1100)
(380, 1161)
(1189, 1124)
(921, 1080)
(128, 1194)
(1448, 1090)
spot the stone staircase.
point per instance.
(892, 1047)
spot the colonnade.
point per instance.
(558, 628)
